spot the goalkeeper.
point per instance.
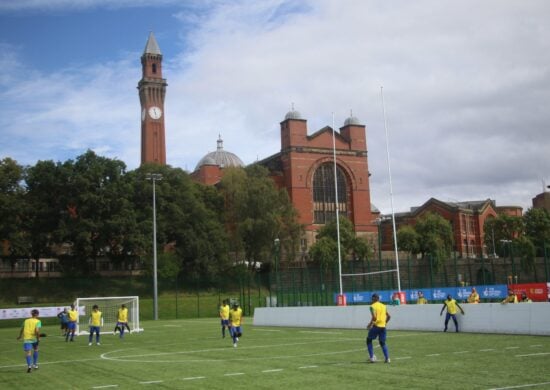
(377, 328)
(122, 320)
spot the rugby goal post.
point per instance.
(108, 306)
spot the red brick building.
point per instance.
(467, 220)
(209, 169)
(305, 168)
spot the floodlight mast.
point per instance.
(391, 192)
(154, 177)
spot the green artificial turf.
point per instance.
(191, 354)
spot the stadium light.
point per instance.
(154, 177)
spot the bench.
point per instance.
(22, 300)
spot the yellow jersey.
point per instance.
(123, 315)
(236, 316)
(95, 318)
(451, 306)
(422, 301)
(73, 315)
(224, 312)
(31, 326)
(473, 298)
(378, 309)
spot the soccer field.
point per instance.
(190, 354)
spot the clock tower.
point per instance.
(152, 88)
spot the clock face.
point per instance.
(155, 112)
(143, 112)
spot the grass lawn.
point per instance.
(190, 354)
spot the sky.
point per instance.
(466, 85)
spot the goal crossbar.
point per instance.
(372, 273)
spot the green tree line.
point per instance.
(92, 208)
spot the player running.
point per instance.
(377, 328)
(30, 331)
(235, 319)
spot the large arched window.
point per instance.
(324, 199)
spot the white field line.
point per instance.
(266, 330)
(306, 367)
(104, 387)
(192, 378)
(486, 350)
(534, 354)
(521, 386)
(274, 370)
(459, 352)
(234, 374)
(511, 348)
(318, 332)
(536, 346)
(149, 382)
(403, 358)
(434, 354)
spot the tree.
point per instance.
(435, 238)
(502, 230)
(12, 244)
(324, 252)
(257, 213)
(537, 227)
(408, 239)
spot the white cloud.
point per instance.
(466, 85)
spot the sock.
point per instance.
(371, 351)
(28, 360)
(385, 350)
(35, 357)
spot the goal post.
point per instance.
(108, 306)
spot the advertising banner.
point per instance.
(10, 314)
(438, 294)
(538, 292)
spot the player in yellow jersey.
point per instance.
(474, 296)
(71, 326)
(224, 316)
(451, 305)
(511, 298)
(96, 322)
(377, 328)
(235, 320)
(30, 331)
(122, 320)
(421, 299)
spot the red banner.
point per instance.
(538, 292)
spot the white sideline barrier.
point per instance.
(522, 318)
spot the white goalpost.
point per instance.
(108, 306)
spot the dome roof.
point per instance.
(220, 157)
(293, 115)
(352, 120)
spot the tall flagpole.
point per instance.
(337, 206)
(391, 192)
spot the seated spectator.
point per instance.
(474, 296)
(421, 299)
(511, 298)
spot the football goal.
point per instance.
(108, 306)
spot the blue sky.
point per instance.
(466, 84)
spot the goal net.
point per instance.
(108, 306)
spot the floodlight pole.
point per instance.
(337, 206)
(154, 177)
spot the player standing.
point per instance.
(377, 328)
(122, 320)
(224, 316)
(71, 326)
(450, 304)
(96, 322)
(31, 337)
(235, 319)
(474, 296)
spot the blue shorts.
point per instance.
(375, 332)
(225, 322)
(27, 346)
(71, 325)
(94, 329)
(235, 330)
